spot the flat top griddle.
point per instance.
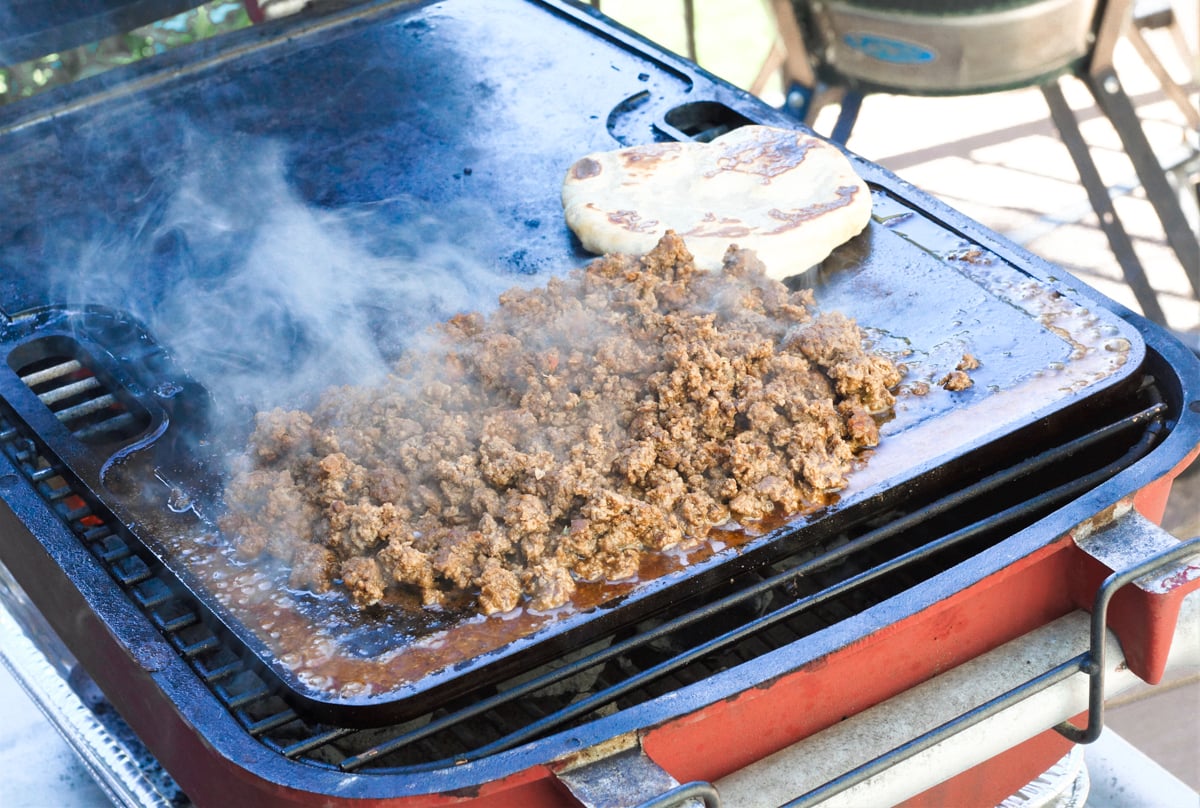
(289, 214)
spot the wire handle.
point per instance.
(1093, 664)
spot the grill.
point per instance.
(873, 559)
(991, 519)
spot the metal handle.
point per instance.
(1093, 664)
(1090, 662)
(680, 795)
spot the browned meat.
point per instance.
(955, 381)
(312, 567)
(958, 379)
(499, 588)
(364, 580)
(623, 409)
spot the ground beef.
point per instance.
(627, 408)
(957, 379)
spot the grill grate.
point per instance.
(64, 380)
(755, 614)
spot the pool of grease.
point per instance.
(334, 648)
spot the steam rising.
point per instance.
(267, 299)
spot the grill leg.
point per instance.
(1115, 104)
(1118, 239)
(847, 116)
(689, 23)
(1164, 18)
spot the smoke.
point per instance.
(267, 299)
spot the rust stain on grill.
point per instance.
(1102, 519)
(605, 749)
(325, 657)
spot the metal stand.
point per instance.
(806, 95)
(1113, 101)
(1110, 223)
(1102, 82)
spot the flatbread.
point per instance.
(789, 196)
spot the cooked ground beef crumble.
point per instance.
(626, 408)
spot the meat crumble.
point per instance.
(957, 380)
(626, 408)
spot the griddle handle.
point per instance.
(686, 796)
(1093, 662)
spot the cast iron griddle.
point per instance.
(396, 168)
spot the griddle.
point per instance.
(396, 130)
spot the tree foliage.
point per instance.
(37, 75)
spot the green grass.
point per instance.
(732, 40)
(54, 69)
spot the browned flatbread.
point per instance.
(789, 196)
